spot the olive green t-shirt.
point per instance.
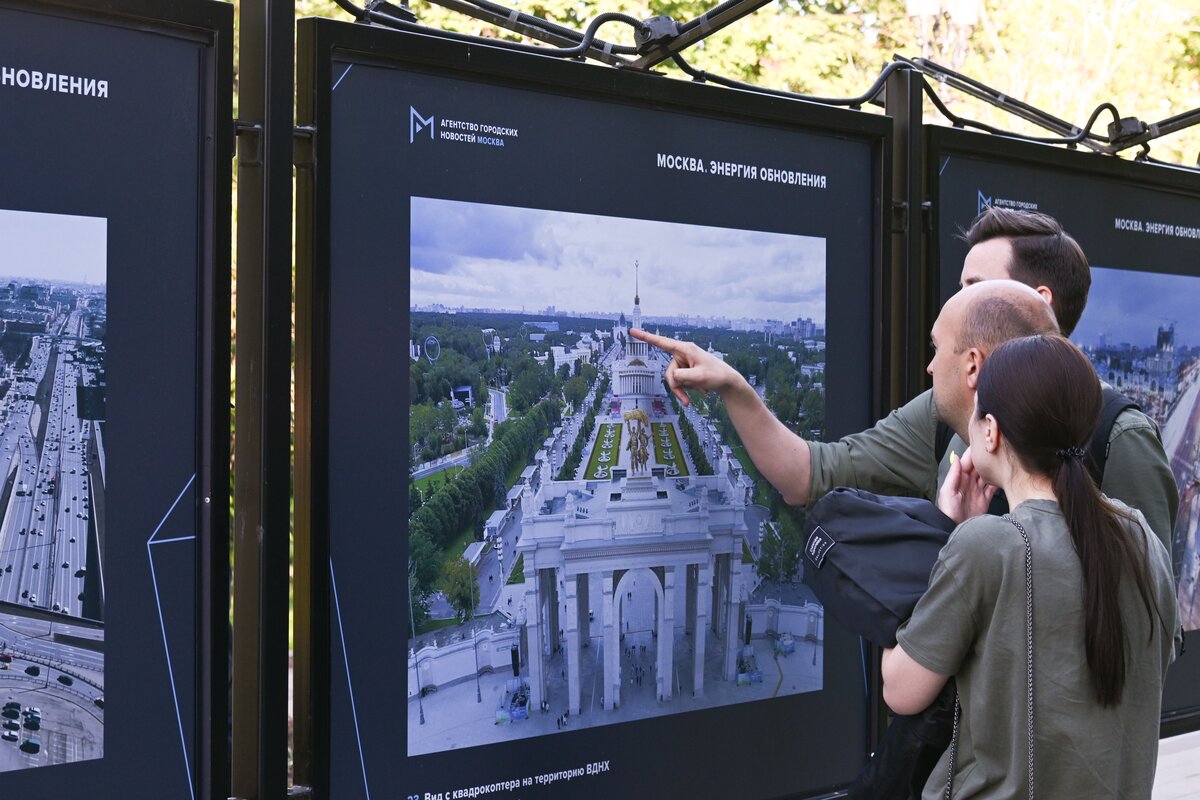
(896, 457)
(971, 624)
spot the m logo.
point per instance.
(984, 203)
(417, 124)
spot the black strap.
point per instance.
(1114, 404)
(941, 441)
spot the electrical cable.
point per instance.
(1079, 138)
(712, 12)
(589, 35)
(551, 27)
(973, 87)
(359, 14)
(853, 102)
(587, 41)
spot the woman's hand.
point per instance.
(964, 494)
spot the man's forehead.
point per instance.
(987, 261)
(944, 324)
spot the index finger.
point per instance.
(661, 342)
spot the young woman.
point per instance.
(1104, 612)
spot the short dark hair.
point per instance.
(1043, 255)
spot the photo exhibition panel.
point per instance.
(589, 585)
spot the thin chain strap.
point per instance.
(1029, 669)
(1028, 639)
(953, 746)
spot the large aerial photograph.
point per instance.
(583, 549)
(1141, 332)
(53, 321)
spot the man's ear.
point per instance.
(1047, 294)
(975, 358)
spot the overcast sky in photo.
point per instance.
(1129, 306)
(53, 247)
(476, 255)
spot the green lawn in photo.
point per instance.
(445, 475)
(456, 549)
(656, 433)
(518, 571)
(613, 451)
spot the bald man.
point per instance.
(897, 456)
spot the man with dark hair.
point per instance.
(1034, 249)
(899, 455)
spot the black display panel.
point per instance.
(586, 556)
(1139, 224)
(113, 240)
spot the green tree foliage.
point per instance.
(575, 457)
(574, 390)
(691, 438)
(462, 591)
(469, 498)
(1065, 57)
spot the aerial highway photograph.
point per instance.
(53, 324)
(584, 549)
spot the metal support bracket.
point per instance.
(303, 151)
(249, 138)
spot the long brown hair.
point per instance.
(1046, 398)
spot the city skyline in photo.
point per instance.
(1128, 307)
(524, 260)
(58, 247)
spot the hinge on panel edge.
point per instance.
(899, 216)
(249, 137)
(303, 153)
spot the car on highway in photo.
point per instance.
(10, 725)
(9, 736)
(31, 746)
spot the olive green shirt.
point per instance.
(896, 457)
(972, 624)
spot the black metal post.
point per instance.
(262, 478)
(213, 751)
(909, 305)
